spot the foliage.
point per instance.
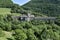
(6, 3)
(13, 29)
(20, 35)
(1, 33)
(46, 7)
(33, 30)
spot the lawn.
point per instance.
(16, 14)
(4, 11)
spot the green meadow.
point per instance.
(5, 11)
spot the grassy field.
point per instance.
(4, 11)
(16, 14)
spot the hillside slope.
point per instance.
(14, 29)
(47, 7)
(6, 3)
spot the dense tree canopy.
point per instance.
(15, 29)
(6, 3)
(47, 7)
(33, 30)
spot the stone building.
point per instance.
(23, 17)
(29, 17)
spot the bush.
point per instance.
(20, 35)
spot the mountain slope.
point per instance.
(47, 7)
(6, 3)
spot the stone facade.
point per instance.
(23, 17)
(29, 17)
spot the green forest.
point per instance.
(15, 29)
(46, 7)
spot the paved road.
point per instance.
(37, 18)
(45, 18)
